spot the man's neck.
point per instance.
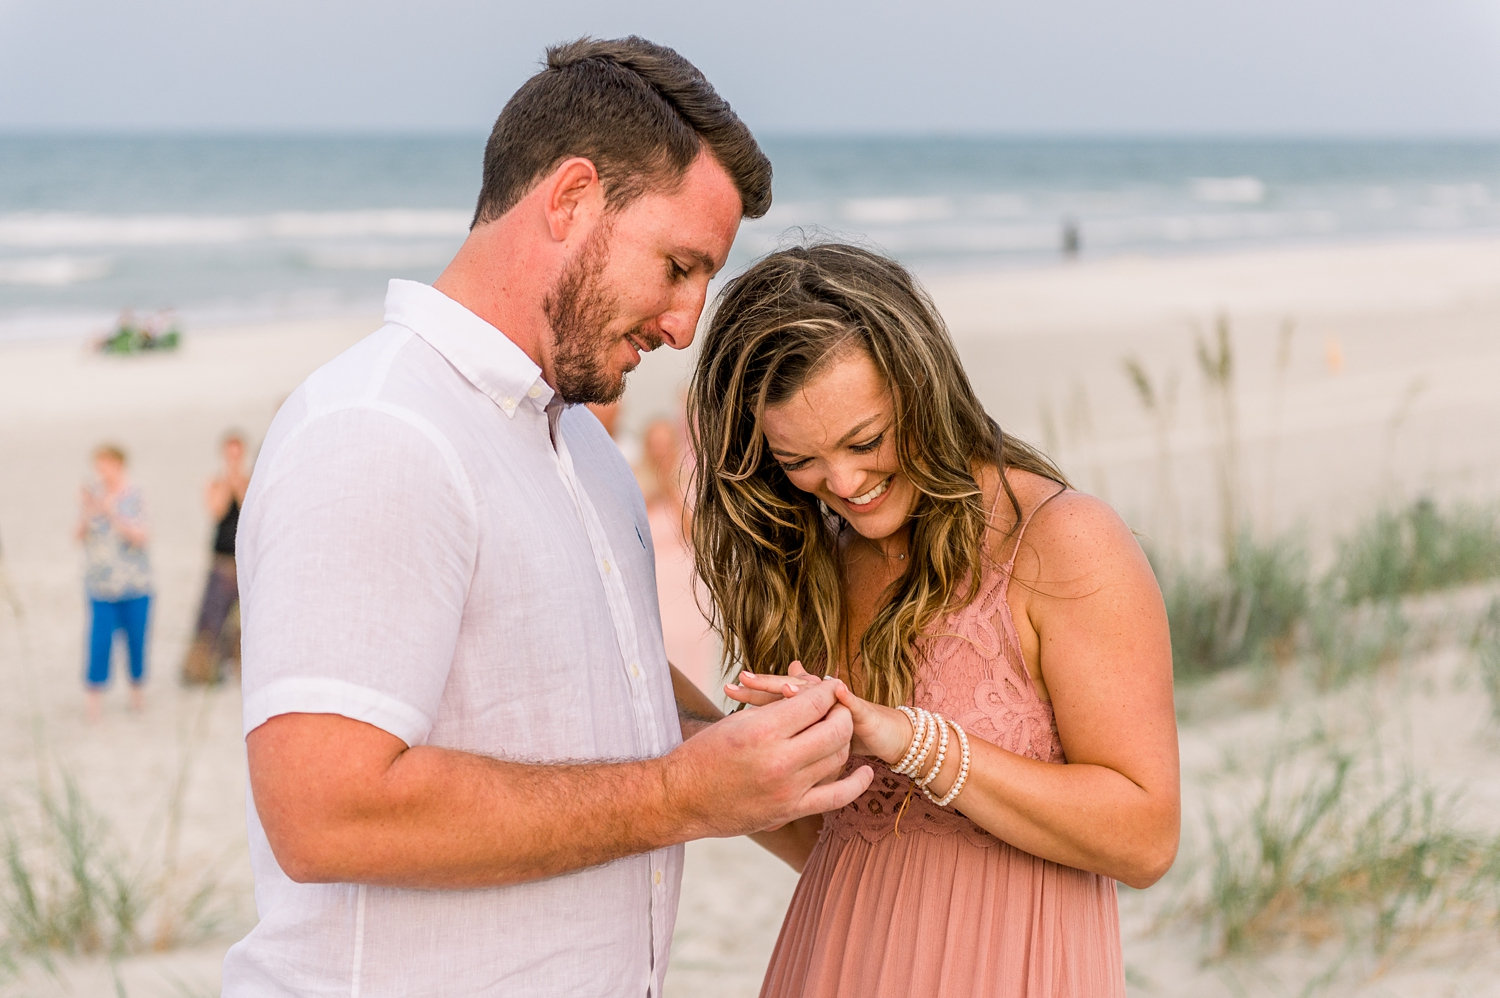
(495, 276)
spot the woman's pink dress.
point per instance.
(938, 906)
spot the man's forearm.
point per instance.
(345, 801)
(458, 820)
(434, 817)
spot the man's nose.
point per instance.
(679, 324)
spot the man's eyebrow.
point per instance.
(854, 431)
(702, 259)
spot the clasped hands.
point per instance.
(880, 732)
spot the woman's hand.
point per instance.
(881, 732)
(92, 502)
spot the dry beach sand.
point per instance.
(1382, 391)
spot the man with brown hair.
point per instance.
(468, 772)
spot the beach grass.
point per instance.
(1343, 643)
(68, 888)
(1260, 599)
(1486, 645)
(1418, 548)
(1324, 852)
(1245, 611)
(71, 885)
(1266, 603)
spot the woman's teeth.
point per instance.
(871, 495)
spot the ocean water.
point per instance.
(247, 227)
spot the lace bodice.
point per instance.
(970, 669)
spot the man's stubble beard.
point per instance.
(579, 310)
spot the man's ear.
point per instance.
(573, 196)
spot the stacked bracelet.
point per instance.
(924, 733)
(918, 721)
(942, 752)
(928, 727)
(963, 770)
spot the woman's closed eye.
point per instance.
(866, 447)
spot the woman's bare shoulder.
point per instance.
(1072, 535)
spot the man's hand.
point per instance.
(765, 767)
(882, 732)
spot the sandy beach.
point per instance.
(1364, 376)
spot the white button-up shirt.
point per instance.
(435, 545)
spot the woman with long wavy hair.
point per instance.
(999, 639)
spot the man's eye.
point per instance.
(677, 270)
(868, 445)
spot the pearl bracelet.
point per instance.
(929, 736)
(942, 752)
(963, 770)
(923, 736)
(918, 724)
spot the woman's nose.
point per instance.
(844, 479)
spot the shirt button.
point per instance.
(656, 878)
(535, 391)
(635, 671)
(606, 566)
(509, 403)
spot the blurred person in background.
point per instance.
(216, 638)
(117, 573)
(691, 644)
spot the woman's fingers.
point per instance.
(780, 685)
(756, 681)
(745, 695)
(858, 709)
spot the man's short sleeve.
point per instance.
(356, 549)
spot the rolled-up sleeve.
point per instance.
(356, 554)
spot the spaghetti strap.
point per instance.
(1010, 563)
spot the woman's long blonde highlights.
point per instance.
(767, 551)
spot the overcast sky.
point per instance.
(1361, 67)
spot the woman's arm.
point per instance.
(216, 498)
(1105, 657)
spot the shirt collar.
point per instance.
(484, 355)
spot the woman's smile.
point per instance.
(862, 503)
